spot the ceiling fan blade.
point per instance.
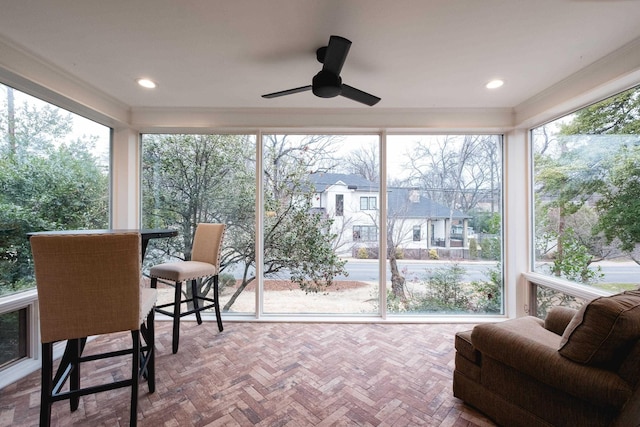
(336, 54)
(358, 95)
(287, 92)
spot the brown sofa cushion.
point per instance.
(603, 331)
(465, 348)
(559, 318)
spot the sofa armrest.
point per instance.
(558, 318)
(526, 346)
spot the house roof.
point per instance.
(408, 203)
(324, 180)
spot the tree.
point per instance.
(47, 183)
(189, 179)
(620, 202)
(614, 179)
(569, 180)
(396, 236)
(364, 162)
(619, 114)
(585, 175)
(458, 171)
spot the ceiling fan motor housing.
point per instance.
(326, 85)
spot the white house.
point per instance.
(414, 221)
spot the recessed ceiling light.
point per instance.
(149, 84)
(494, 84)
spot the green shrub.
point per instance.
(473, 248)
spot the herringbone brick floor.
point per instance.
(274, 374)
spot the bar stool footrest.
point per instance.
(159, 308)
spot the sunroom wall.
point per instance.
(614, 73)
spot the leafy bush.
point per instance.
(491, 248)
(473, 248)
(444, 291)
(488, 295)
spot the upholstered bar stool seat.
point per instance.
(204, 264)
(183, 271)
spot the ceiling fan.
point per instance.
(327, 83)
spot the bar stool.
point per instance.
(89, 284)
(204, 263)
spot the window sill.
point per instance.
(565, 286)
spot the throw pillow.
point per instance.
(603, 330)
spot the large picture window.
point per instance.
(587, 197)
(314, 246)
(322, 216)
(191, 179)
(451, 186)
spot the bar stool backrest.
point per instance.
(87, 284)
(207, 243)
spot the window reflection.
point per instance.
(586, 175)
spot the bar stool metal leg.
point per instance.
(176, 318)
(74, 375)
(47, 384)
(217, 302)
(135, 376)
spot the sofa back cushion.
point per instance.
(603, 331)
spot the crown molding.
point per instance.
(175, 119)
(616, 72)
(31, 74)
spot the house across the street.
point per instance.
(415, 222)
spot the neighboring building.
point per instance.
(418, 222)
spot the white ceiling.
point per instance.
(411, 53)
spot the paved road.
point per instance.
(367, 270)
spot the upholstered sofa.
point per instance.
(575, 368)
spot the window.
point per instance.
(54, 174)
(443, 182)
(321, 230)
(203, 178)
(585, 187)
(339, 204)
(13, 336)
(365, 233)
(368, 203)
(213, 178)
(312, 264)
